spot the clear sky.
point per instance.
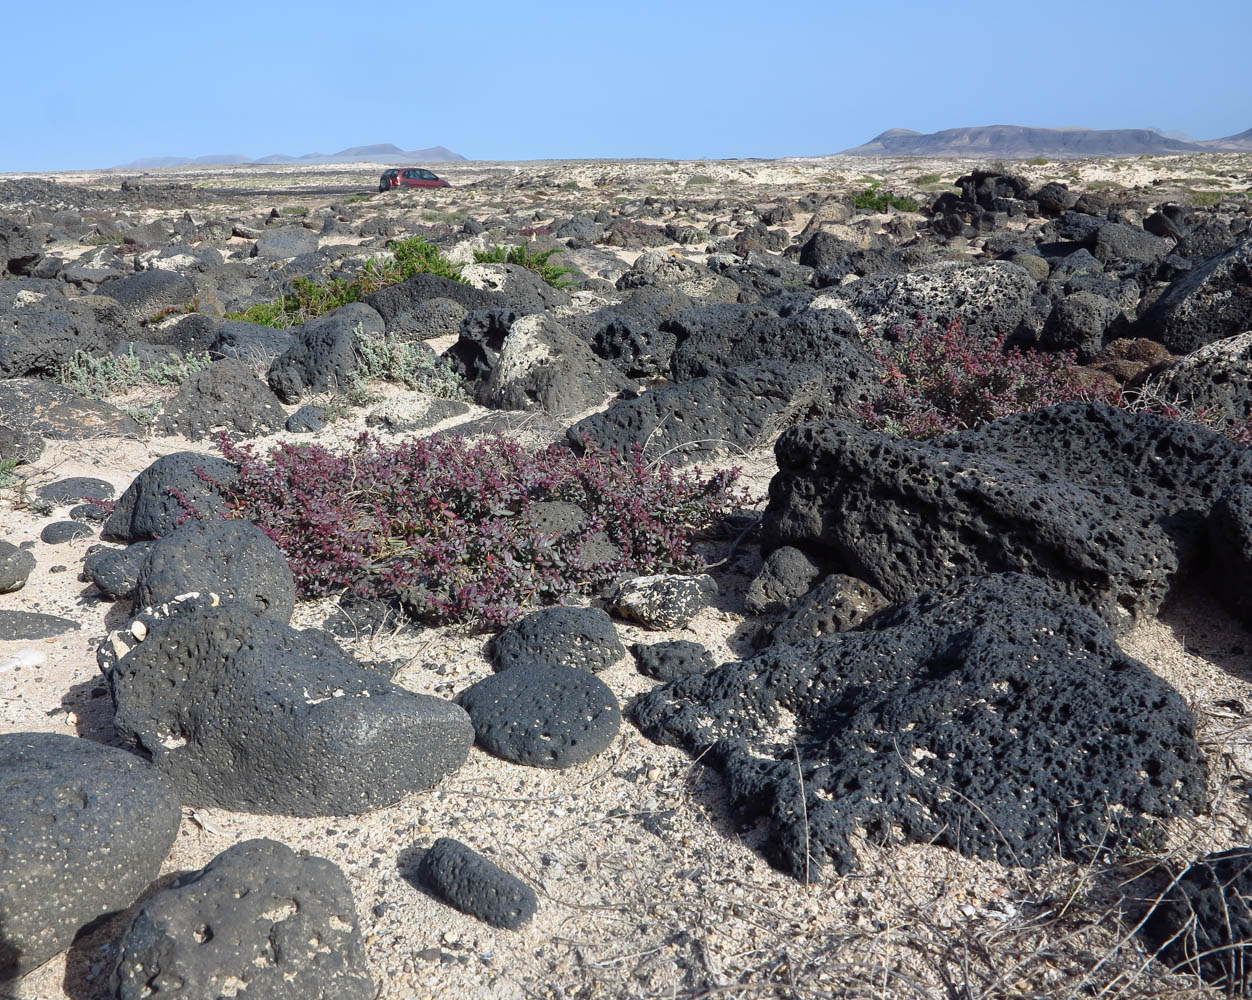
(91, 84)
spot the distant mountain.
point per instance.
(1018, 142)
(383, 152)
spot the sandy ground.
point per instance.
(647, 886)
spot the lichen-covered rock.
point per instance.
(257, 921)
(663, 601)
(543, 715)
(570, 637)
(225, 396)
(994, 716)
(543, 366)
(465, 879)
(1108, 505)
(1215, 379)
(1208, 303)
(736, 410)
(233, 559)
(84, 828)
(837, 604)
(1203, 924)
(243, 712)
(150, 508)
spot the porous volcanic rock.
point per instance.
(670, 660)
(1230, 541)
(994, 716)
(84, 828)
(1215, 379)
(116, 571)
(786, 575)
(226, 395)
(741, 409)
(15, 567)
(234, 559)
(146, 294)
(149, 508)
(323, 356)
(1208, 303)
(837, 604)
(1108, 505)
(41, 338)
(1203, 923)
(465, 879)
(543, 715)
(662, 601)
(243, 712)
(570, 637)
(401, 305)
(258, 921)
(59, 413)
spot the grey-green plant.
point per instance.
(110, 375)
(553, 274)
(388, 359)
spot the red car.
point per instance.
(413, 177)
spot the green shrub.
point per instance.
(696, 180)
(99, 377)
(1205, 199)
(7, 465)
(1038, 161)
(879, 201)
(553, 274)
(925, 179)
(309, 299)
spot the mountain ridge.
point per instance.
(382, 152)
(1025, 142)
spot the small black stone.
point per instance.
(572, 637)
(68, 491)
(467, 880)
(64, 531)
(668, 661)
(90, 512)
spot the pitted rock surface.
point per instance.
(738, 409)
(837, 604)
(234, 559)
(84, 828)
(225, 396)
(994, 716)
(786, 575)
(570, 637)
(668, 661)
(1203, 922)
(1215, 379)
(475, 885)
(258, 921)
(69, 491)
(148, 508)
(663, 601)
(1230, 540)
(323, 356)
(543, 715)
(1108, 505)
(243, 712)
(59, 532)
(116, 571)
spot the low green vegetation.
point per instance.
(100, 377)
(879, 201)
(1038, 161)
(553, 274)
(1205, 199)
(7, 465)
(309, 299)
(926, 179)
(698, 180)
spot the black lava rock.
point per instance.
(89, 513)
(84, 828)
(234, 559)
(309, 419)
(69, 491)
(994, 716)
(59, 532)
(662, 602)
(25, 625)
(787, 575)
(1230, 541)
(148, 507)
(669, 661)
(324, 354)
(1108, 505)
(837, 604)
(15, 567)
(465, 879)
(225, 396)
(570, 637)
(243, 712)
(543, 715)
(116, 571)
(1212, 301)
(259, 920)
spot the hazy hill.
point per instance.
(1018, 142)
(383, 152)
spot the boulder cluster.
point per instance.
(935, 652)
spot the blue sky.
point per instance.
(98, 84)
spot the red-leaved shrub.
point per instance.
(442, 521)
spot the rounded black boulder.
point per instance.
(1203, 924)
(150, 507)
(116, 571)
(84, 829)
(570, 637)
(258, 921)
(465, 879)
(543, 715)
(15, 567)
(243, 712)
(668, 661)
(233, 559)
